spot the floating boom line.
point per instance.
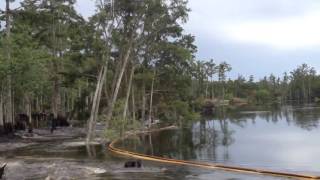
(111, 147)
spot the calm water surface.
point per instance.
(285, 139)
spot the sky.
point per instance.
(255, 37)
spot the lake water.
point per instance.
(283, 139)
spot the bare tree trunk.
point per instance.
(106, 91)
(1, 114)
(117, 87)
(223, 91)
(9, 115)
(64, 101)
(309, 89)
(13, 106)
(133, 104)
(55, 97)
(125, 110)
(79, 91)
(207, 86)
(151, 144)
(151, 99)
(37, 104)
(87, 101)
(144, 102)
(303, 91)
(72, 103)
(67, 103)
(28, 111)
(56, 88)
(96, 104)
(5, 112)
(41, 103)
(212, 88)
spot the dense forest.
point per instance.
(128, 65)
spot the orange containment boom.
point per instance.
(204, 165)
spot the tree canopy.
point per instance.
(128, 64)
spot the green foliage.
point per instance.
(263, 96)
(53, 50)
(111, 134)
(177, 112)
(118, 125)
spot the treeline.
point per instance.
(302, 85)
(128, 64)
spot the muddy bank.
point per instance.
(22, 139)
(46, 135)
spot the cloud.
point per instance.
(280, 24)
(85, 7)
(257, 37)
(288, 33)
(251, 35)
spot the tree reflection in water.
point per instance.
(91, 151)
(215, 139)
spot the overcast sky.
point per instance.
(255, 37)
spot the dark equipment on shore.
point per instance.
(2, 170)
(133, 164)
(52, 123)
(62, 121)
(22, 122)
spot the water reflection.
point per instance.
(91, 151)
(284, 138)
(305, 117)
